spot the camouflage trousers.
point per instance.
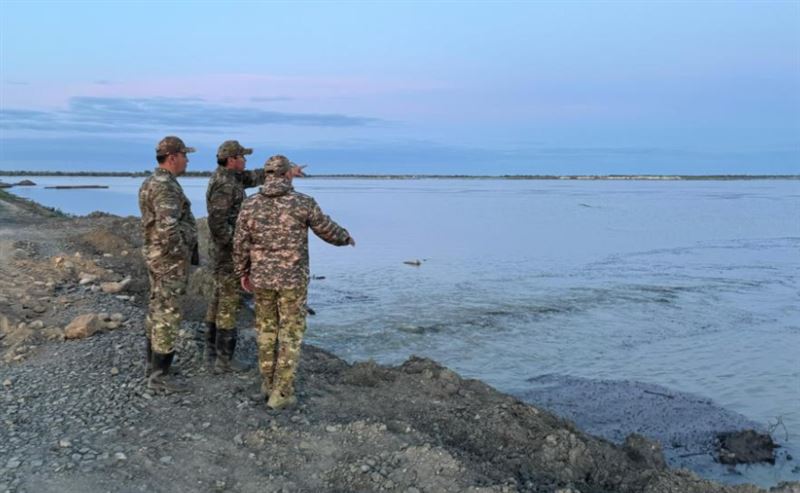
(164, 311)
(280, 325)
(223, 308)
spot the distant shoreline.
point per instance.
(206, 174)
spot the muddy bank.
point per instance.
(685, 425)
(76, 416)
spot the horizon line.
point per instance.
(610, 176)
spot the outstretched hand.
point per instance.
(297, 171)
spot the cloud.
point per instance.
(95, 114)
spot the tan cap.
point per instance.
(278, 165)
(172, 145)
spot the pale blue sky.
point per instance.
(406, 87)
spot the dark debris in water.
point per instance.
(745, 447)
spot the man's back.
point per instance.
(224, 197)
(272, 235)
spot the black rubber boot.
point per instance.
(148, 362)
(160, 378)
(211, 342)
(226, 346)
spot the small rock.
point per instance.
(115, 287)
(238, 440)
(7, 382)
(364, 468)
(83, 326)
(115, 371)
(13, 463)
(165, 460)
(36, 324)
(64, 443)
(120, 456)
(86, 278)
(330, 429)
(117, 317)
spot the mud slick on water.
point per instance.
(78, 418)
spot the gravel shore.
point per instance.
(76, 416)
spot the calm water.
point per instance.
(691, 285)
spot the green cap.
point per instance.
(172, 145)
(231, 148)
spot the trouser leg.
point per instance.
(148, 327)
(266, 335)
(165, 314)
(227, 335)
(291, 328)
(211, 325)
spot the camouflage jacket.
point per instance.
(224, 198)
(168, 226)
(271, 240)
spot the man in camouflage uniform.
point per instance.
(170, 245)
(270, 254)
(224, 198)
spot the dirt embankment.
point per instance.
(76, 416)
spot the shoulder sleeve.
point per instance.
(242, 242)
(253, 178)
(167, 211)
(219, 203)
(325, 227)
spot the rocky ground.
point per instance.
(76, 416)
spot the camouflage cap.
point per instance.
(232, 148)
(172, 145)
(278, 165)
